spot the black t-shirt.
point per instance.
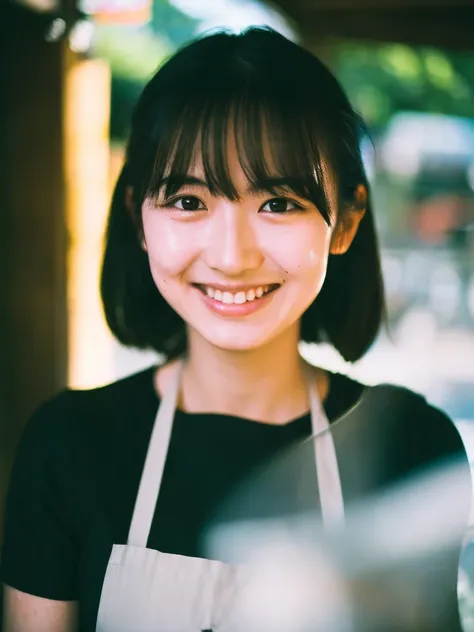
(78, 468)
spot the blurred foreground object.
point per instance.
(392, 567)
(383, 572)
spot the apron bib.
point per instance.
(145, 590)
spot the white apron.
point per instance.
(148, 591)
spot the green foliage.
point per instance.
(384, 78)
(380, 79)
(169, 22)
(133, 54)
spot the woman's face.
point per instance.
(240, 273)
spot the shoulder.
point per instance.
(77, 439)
(71, 456)
(413, 429)
(392, 433)
(419, 433)
(112, 395)
(74, 410)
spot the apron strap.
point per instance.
(154, 466)
(327, 470)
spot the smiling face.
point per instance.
(242, 271)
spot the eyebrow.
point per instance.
(268, 185)
(181, 181)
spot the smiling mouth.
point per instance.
(239, 297)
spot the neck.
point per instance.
(266, 384)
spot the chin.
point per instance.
(237, 340)
(237, 347)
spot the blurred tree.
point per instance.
(383, 79)
(171, 23)
(134, 54)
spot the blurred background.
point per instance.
(71, 74)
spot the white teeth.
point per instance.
(239, 298)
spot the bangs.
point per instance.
(279, 142)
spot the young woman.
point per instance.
(240, 225)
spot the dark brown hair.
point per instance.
(268, 87)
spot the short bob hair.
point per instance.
(262, 83)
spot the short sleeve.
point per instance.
(435, 438)
(40, 551)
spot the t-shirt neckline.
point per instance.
(335, 380)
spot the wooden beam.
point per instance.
(308, 6)
(421, 24)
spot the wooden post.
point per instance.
(33, 239)
(54, 185)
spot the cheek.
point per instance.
(171, 246)
(303, 251)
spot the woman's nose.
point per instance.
(232, 247)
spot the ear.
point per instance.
(348, 223)
(130, 206)
(345, 231)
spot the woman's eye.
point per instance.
(187, 203)
(280, 205)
